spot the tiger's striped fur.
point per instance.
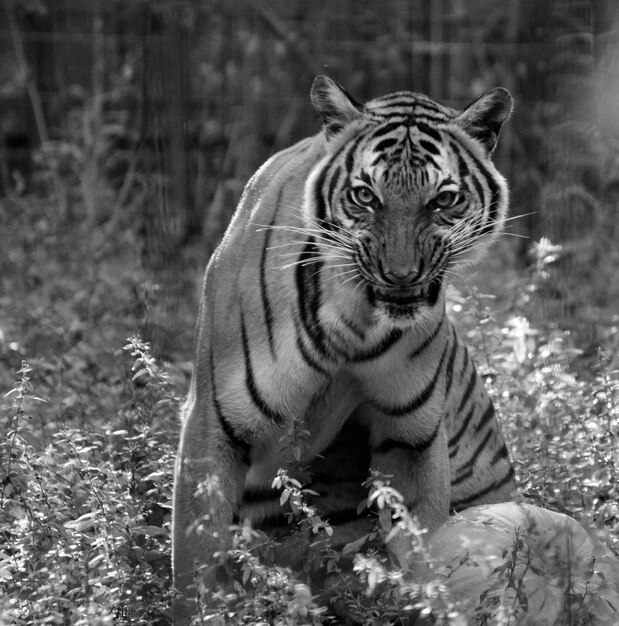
(323, 317)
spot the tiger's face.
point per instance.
(408, 191)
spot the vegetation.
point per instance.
(89, 433)
(97, 274)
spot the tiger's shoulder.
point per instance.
(279, 182)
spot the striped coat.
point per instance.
(322, 341)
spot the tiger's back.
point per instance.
(323, 317)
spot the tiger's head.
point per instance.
(407, 192)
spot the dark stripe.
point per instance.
(381, 131)
(385, 143)
(495, 191)
(463, 168)
(308, 293)
(238, 443)
(428, 340)
(392, 444)
(452, 359)
(462, 504)
(307, 357)
(342, 517)
(459, 150)
(352, 327)
(431, 132)
(486, 417)
(500, 455)
(456, 437)
(425, 118)
(335, 177)
(366, 178)
(399, 100)
(266, 304)
(462, 477)
(429, 159)
(275, 522)
(417, 401)
(468, 390)
(250, 382)
(258, 495)
(466, 469)
(350, 154)
(428, 146)
(321, 207)
(465, 362)
(379, 349)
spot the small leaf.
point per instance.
(154, 476)
(355, 546)
(372, 581)
(151, 531)
(384, 518)
(246, 575)
(30, 438)
(153, 555)
(284, 497)
(96, 560)
(83, 523)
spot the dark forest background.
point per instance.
(153, 115)
(127, 132)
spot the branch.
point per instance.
(290, 39)
(35, 99)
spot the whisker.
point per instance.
(463, 249)
(296, 263)
(316, 259)
(351, 278)
(461, 227)
(313, 227)
(322, 253)
(354, 273)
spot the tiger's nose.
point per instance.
(402, 275)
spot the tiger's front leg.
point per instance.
(208, 484)
(418, 464)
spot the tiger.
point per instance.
(323, 321)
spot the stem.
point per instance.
(18, 403)
(35, 101)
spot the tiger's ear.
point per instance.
(334, 105)
(483, 118)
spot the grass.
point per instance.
(88, 434)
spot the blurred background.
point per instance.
(128, 129)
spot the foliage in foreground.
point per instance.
(87, 446)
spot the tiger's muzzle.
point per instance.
(405, 300)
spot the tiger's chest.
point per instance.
(374, 379)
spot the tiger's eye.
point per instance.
(363, 196)
(445, 200)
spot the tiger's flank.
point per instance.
(323, 313)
